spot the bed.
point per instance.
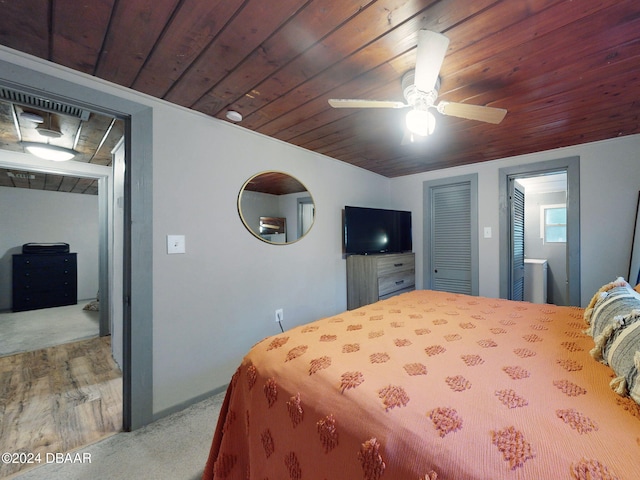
(430, 385)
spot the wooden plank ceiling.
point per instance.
(566, 71)
(93, 136)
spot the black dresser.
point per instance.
(44, 280)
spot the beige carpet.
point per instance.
(173, 448)
(35, 329)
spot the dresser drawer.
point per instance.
(57, 298)
(374, 277)
(44, 278)
(398, 281)
(29, 262)
(390, 264)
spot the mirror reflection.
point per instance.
(276, 207)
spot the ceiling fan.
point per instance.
(420, 88)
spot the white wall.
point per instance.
(45, 216)
(609, 185)
(213, 303)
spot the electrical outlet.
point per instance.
(279, 315)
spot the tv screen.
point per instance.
(376, 230)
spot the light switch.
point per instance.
(487, 232)
(176, 244)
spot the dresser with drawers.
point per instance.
(44, 280)
(375, 277)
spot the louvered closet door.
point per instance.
(451, 238)
(516, 197)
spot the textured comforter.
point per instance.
(428, 385)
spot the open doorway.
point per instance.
(43, 296)
(37, 78)
(550, 231)
(545, 238)
(25, 75)
(59, 193)
(43, 209)
(85, 403)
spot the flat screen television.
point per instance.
(376, 230)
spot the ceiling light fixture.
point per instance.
(421, 122)
(234, 116)
(49, 152)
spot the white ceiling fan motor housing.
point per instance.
(416, 98)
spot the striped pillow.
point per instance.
(600, 294)
(607, 308)
(614, 318)
(622, 353)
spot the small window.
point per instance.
(554, 223)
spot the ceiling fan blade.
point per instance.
(472, 112)
(432, 47)
(350, 103)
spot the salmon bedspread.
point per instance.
(428, 385)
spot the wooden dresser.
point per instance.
(44, 280)
(375, 277)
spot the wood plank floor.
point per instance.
(59, 398)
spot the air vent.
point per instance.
(27, 99)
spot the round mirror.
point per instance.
(276, 207)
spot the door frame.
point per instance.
(572, 166)
(28, 75)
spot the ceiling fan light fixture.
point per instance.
(421, 122)
(49, 152)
